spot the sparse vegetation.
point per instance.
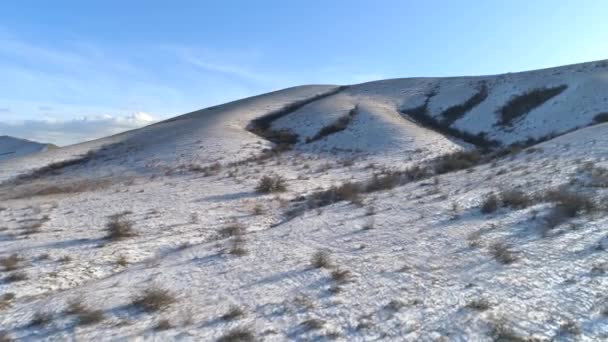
(312, 324)
(207, 171)
(153, 299)
(238, 335)
(270, 184)
(232, 229)
(41, 319)
(15, 277)
(480, 304)
(515, 199)
(163, 324)
(122, 261)
(522, 104)
(489, 204)
(503, 253)
(11, 262)
(340, 276)
(233, 313)
(567, 205)
(321, 260)
(119, 228)
(457, 161)
(89, 317)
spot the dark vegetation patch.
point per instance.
(458, 111)
(600, 118)
(521, 105)
(41, 319)
(153, 299)
(207, 171)
(233, 313)
(389, 179)
(262, 126)
(503, 253)
(568, 204)
(321, 260)
(270, 184)
(422, 116)
(163, 324)
(119, 228)
(335, 127)
(46, 189)
(11, 262)
(238, 335)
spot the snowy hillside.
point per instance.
(13, 147)
(367, 212)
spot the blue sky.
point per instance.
(98, 67)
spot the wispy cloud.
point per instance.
(66, 132)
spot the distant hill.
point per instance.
(11, 147)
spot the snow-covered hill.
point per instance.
(369, 212)
(14, 147)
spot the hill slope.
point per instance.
(397, 220)
(14, 147)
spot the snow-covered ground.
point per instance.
(418, 262)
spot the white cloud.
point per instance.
(66, 132)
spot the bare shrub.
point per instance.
(567, 205)
(394, 305)
(232, 229)
(89, 317)
(478, 304)
(65, 259)
(321, 260)
(515, 199)
(237, 247)
(345, 192)
(503, 253)
(270, 184)
(11, 262)
(41, 319)
(599, 177)
(75, 306)
(5, 300)
(119, 228)
(501, 332)
(153, 299)
(313, 324)
(489, 204)
(233, 313)
(457, 161)
(163, 324)
(257, 209)
(340, 276)
(207, 171)
(238, 335)
(85, 315)
(122, 261)
(15, 277)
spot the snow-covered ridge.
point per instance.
(14, 147)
